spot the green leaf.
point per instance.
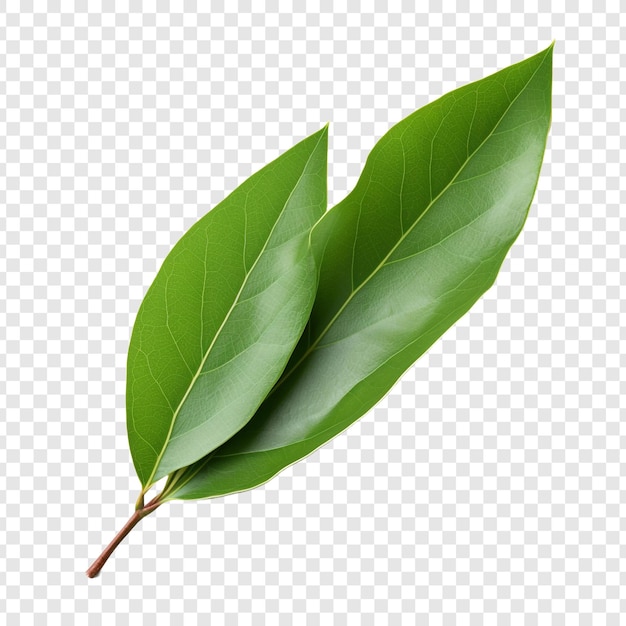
(217, 326)
(442, 197)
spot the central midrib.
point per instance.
(315, 344)
(226, 318)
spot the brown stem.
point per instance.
(135, 518)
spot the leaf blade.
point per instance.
(460, 175)
(221, 318)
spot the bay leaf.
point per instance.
(443, 196)
(216, 328)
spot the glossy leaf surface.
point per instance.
(442, 197)
(216, 328)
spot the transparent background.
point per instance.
(488, 488)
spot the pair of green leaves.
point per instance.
(273, 325)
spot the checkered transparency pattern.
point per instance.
(488, 488)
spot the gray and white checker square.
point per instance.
(487, 488)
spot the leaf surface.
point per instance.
(442, 197)
(216, 328)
